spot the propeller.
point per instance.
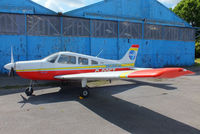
(12, 58)
(11, 72)
(12, 63)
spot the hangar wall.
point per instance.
(164, 41)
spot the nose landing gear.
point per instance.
(29, 90)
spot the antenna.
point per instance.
(99, 53)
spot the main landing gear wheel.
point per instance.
(29, 91)
(85, 93)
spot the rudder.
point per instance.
(131, 55)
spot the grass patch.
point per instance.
(158, 80)
(14, 87)
(97, 83)
(197, 62)
(25, 86)
(90, 84)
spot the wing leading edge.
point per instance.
(165, 73)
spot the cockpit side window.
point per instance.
(66, 59)
(52, 58)
(82, 61)
(93, 62)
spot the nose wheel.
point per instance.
(29, 91)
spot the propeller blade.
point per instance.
(12, 58)
(11, 72)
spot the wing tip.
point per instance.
(176, 72)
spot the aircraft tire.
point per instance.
(85, 93)
(29, 91)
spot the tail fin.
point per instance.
(131, 55)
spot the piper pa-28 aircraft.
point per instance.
(65, 66)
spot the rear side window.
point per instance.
(82, 61)
(66, 59)
(93, 62)
(52, 58)
(101, 63)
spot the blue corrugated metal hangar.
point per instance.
(110, 26)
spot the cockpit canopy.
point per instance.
(52, 58)
(68, 58)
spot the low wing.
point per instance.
(137, 73)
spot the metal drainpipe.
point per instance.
(90, 41)
(118, 40)
(61, 35)
(26, 37)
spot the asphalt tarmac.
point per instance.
(138, 107)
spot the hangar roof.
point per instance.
(150, 11)
(23, 6)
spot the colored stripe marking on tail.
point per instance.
(136, 46)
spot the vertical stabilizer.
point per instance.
(131, 55)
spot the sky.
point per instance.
(170, 3)
(67, 5)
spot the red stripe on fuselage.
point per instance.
(49, 75)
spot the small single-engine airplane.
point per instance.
(65, 66)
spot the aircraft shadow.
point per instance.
(18, 90)
(128, 116)
(22, 89)
(134, 118)
(157, 85)
(73, 93)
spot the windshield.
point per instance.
(52, 58)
